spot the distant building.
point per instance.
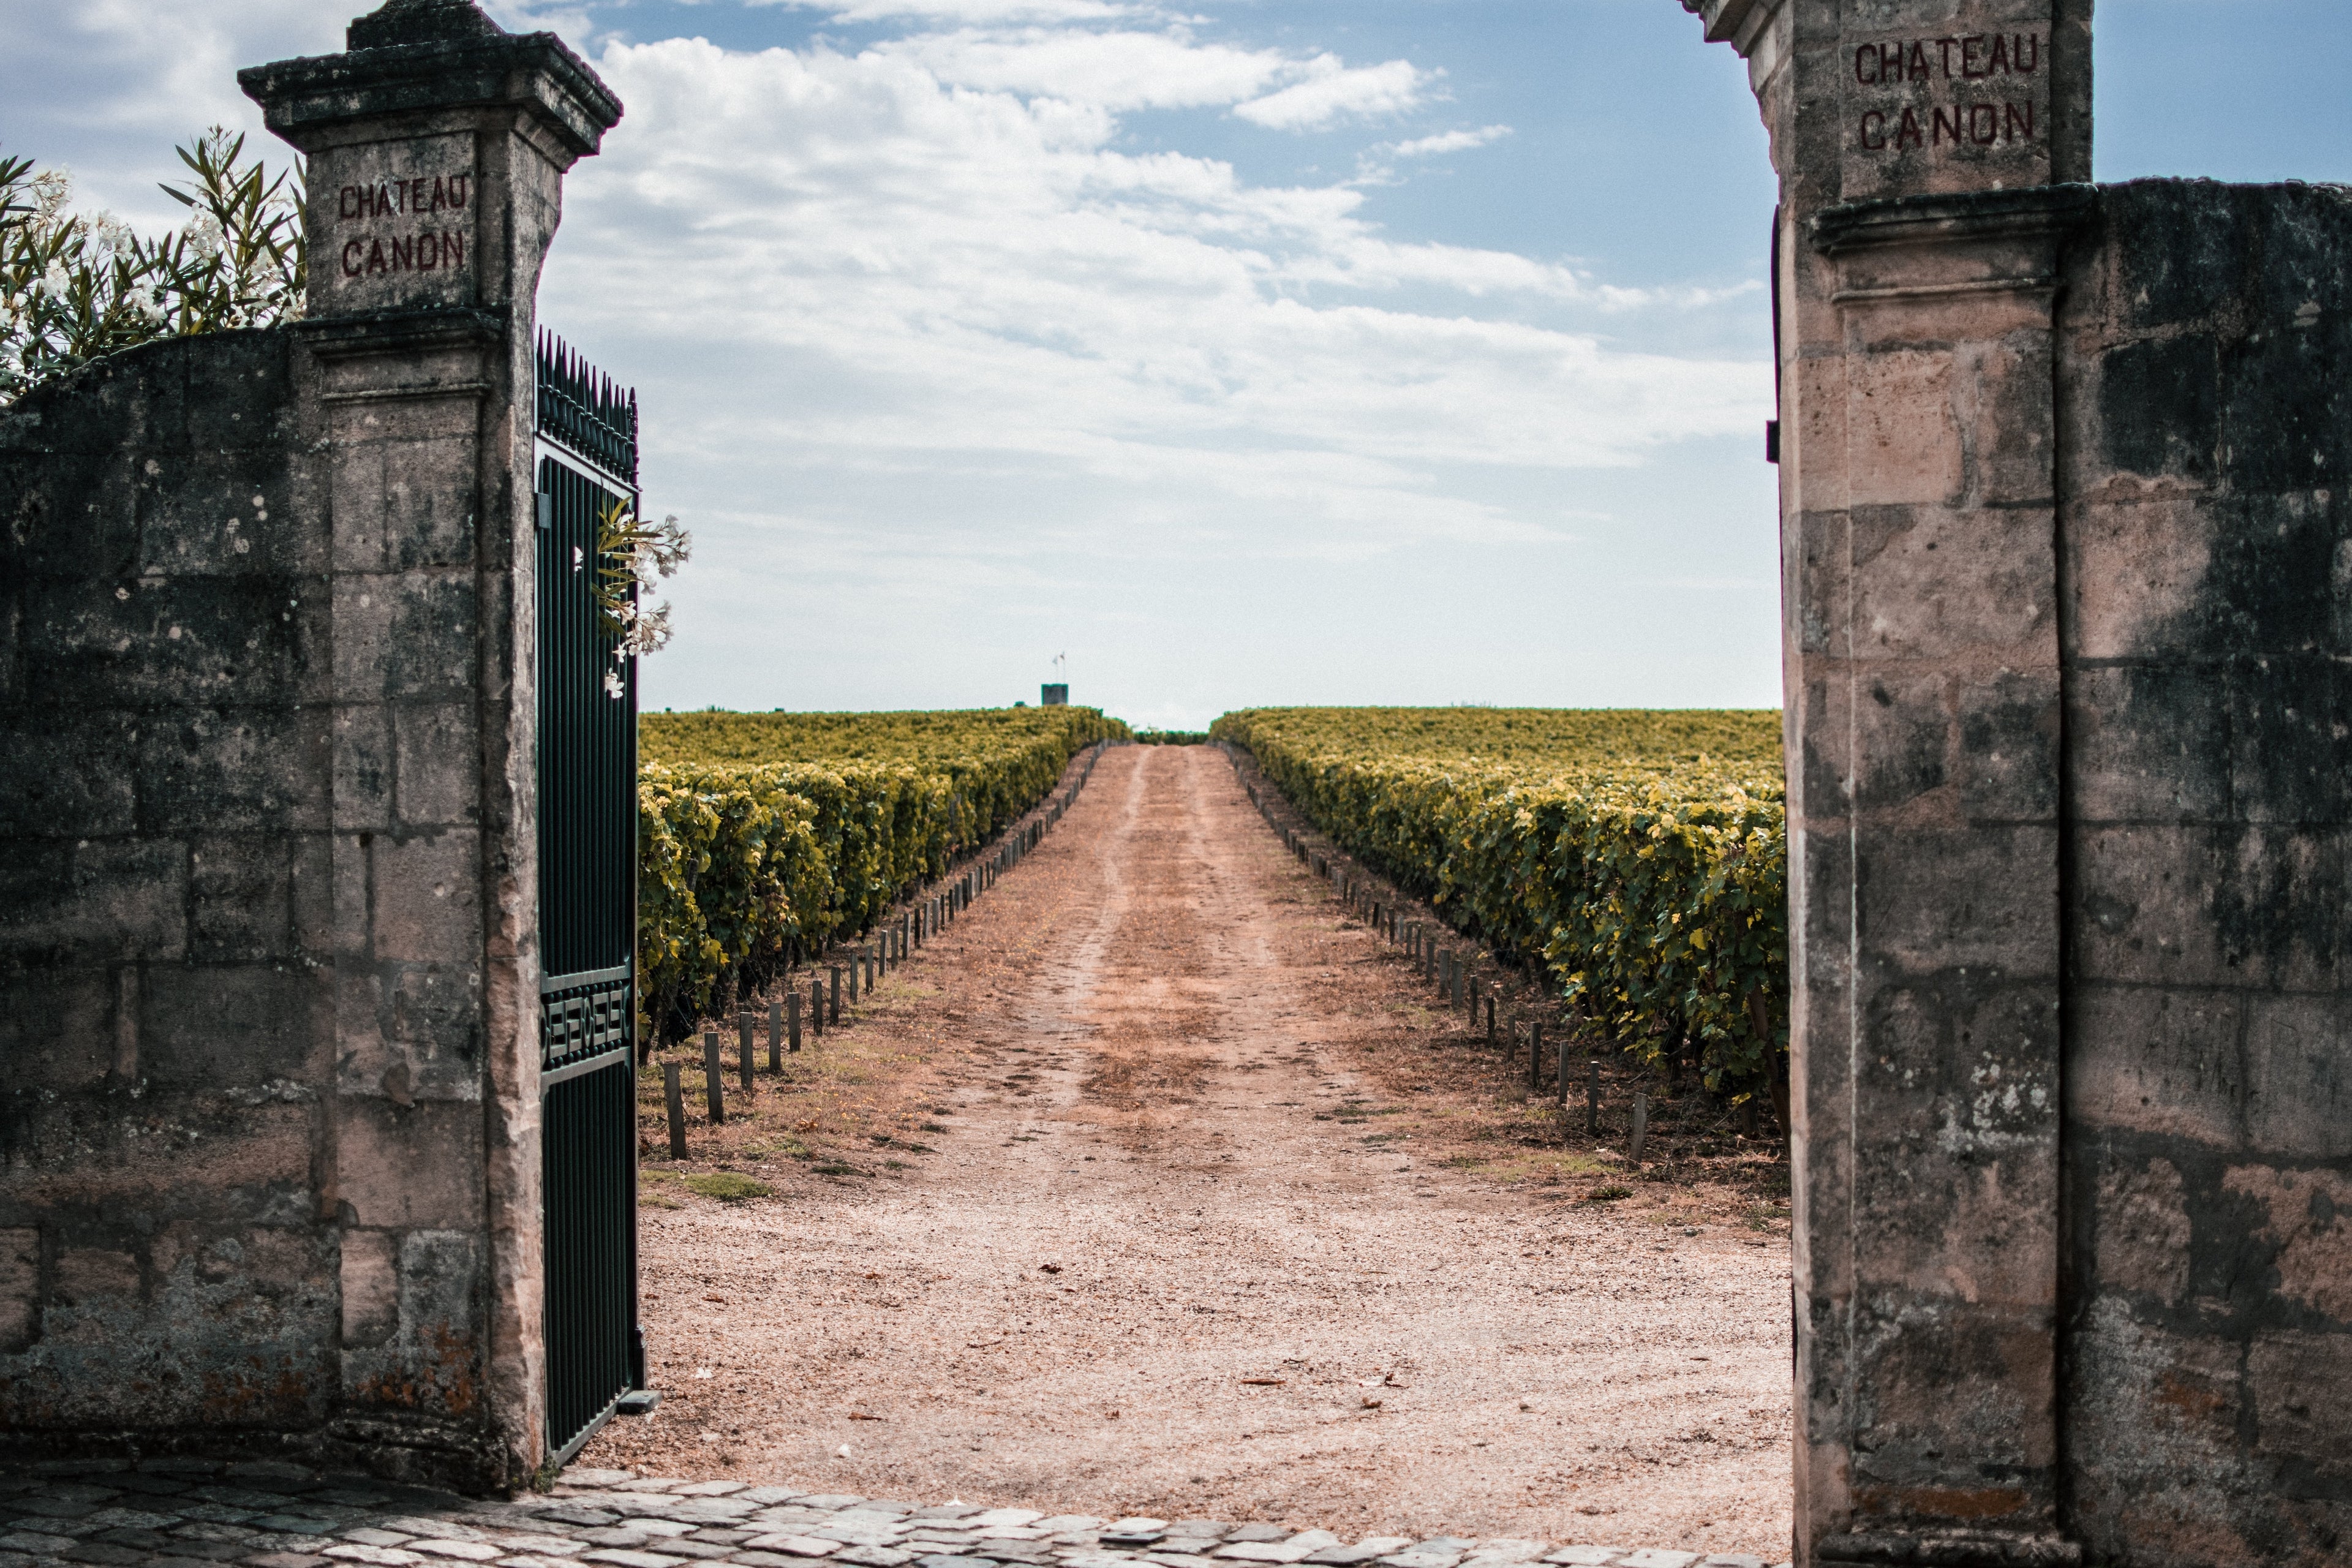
(1054, 694)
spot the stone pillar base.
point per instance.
(1951, 1549)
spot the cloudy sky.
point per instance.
(1249, 351)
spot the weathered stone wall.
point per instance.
(245, 1173)
(269, 1167)
(2206, 444)
(2064, 582)
(167, 1257)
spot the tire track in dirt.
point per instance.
(1151, 1042)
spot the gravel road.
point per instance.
(1187, 1238)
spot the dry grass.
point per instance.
(858, 1104)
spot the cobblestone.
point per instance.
(179, 1513)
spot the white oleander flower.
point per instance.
(52, 188)
(649, 630)
(671, 546)
(205, 236)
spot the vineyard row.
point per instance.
(1650, 890)
(748, 869)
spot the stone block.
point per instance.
(159, 640)
(239, 394)
(94, 904)
(2274, 583)
(440, 750)
(2140, 1227)
(410, 1033)
(2143, 745)
(2138, 570)
(405, 501)
(2223, 905)
(223, 513)
(60, 1028)
(2159, 402)
(352, 273)
(2296, 1382)
(72, 515)
(426, 898)
(432, 1363)
(229, 770)
(410, 1167)
(1819, 575)
(311, 895)
(2290, 748)
(238, 1162)
(1903, 440)
(89, 1278)
(369, 1287)
(249, 1285)
(1902, 743)
(2303, 1229)
(2154, 1418)
(1980, 897)
(356, 505)
(219, 1028)
(2176, 249)
(351, 929)
(12, 625)
(241, 893)
(1976, 1230)
(20, 1288)
(2282, 408)
(437, 1011)
(2008, 762)
(2298, 1091)
(67, 771)
(1966, 1061)
(2006, 417)
(362, 767)
(1956, 1397)
(406, 637)
(2149, 1059)
(1819, 787)
(1929, 583)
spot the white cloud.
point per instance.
(996, 12)
(1445, 142)
(912, 270)
(1115, 70)
(109, 86)
(1333, 91)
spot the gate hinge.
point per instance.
(546, 509)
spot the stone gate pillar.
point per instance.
(268, 983)
(436, 150)
(1928, 153)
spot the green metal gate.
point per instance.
(587, 705)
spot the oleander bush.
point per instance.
(76, 286)
(1639, 857)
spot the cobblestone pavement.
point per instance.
(186, 1513)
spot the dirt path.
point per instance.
(1156, 1136)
